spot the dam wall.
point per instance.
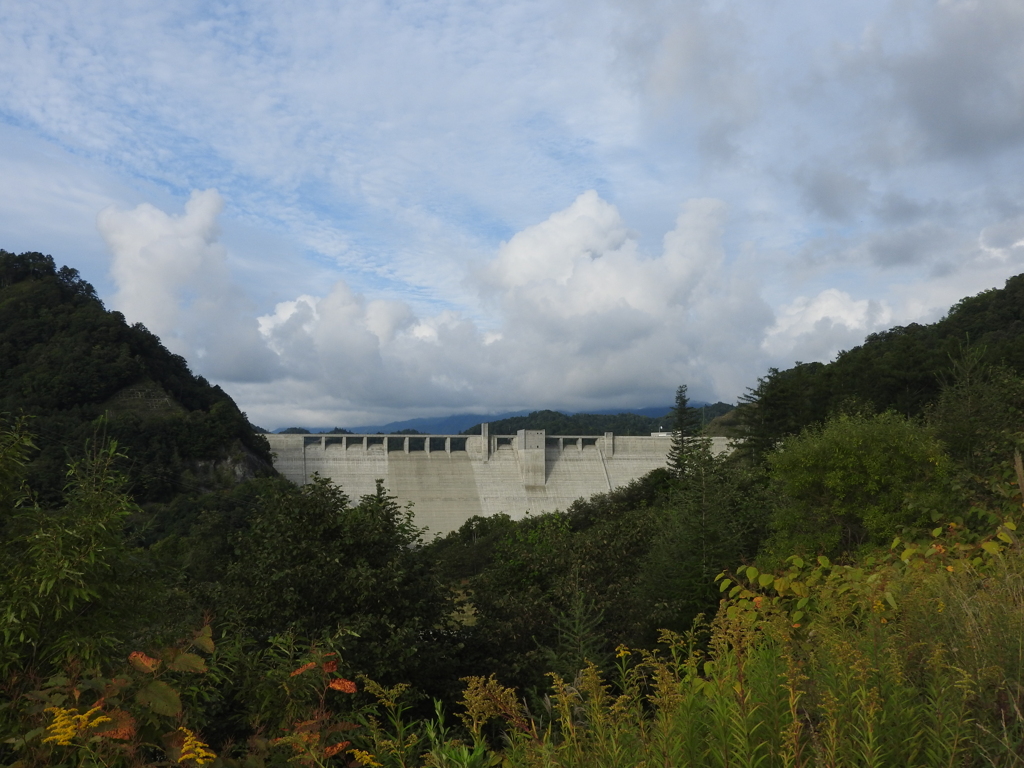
(451, 478)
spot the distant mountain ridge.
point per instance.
(646, 420)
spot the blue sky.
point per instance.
(349, 213)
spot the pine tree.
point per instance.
(686, 428)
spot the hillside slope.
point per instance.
(901, 369)
(83, 375)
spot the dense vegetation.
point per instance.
(903, 369)
(84, 375)
(846, 591)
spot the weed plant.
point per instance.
(916, 660)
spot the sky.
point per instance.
(347, 213)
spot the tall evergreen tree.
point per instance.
(686, 428)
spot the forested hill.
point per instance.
(557, 423)
(902, 369)
(66, 362)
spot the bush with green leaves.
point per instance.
(63, 570)
(857, 480)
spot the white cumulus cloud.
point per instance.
(171, 275)
(817, 328)
(574, 310)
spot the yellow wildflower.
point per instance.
(194, 749)
(68, 723)
(365, 758)
(622, 652)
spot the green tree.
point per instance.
(554, 577)
(310, 562)
(856, 480)
(580, 637)
(710, 520)
(686, 426)
(782, 403)
(978, 413)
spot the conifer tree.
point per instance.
(686, 429)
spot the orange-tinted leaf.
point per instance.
(343, 685)
(334, 749)
(143, 663)
(121, 725)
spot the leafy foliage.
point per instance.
(543, 568)
(978, 415)
(555, 590)
(902, 369)
(856, 480)
(60, 569)
(66, 361)
(308, 561)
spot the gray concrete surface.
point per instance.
(450, 478)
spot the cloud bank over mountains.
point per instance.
(358, 212)
(576, 312)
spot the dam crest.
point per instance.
(451, 478)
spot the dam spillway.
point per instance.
(451, 478)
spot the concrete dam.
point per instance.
(451, 478)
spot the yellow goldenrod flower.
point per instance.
(365, 758)
(194, 749)
(68, 723)
(63, 728)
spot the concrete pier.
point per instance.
(450, 478)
